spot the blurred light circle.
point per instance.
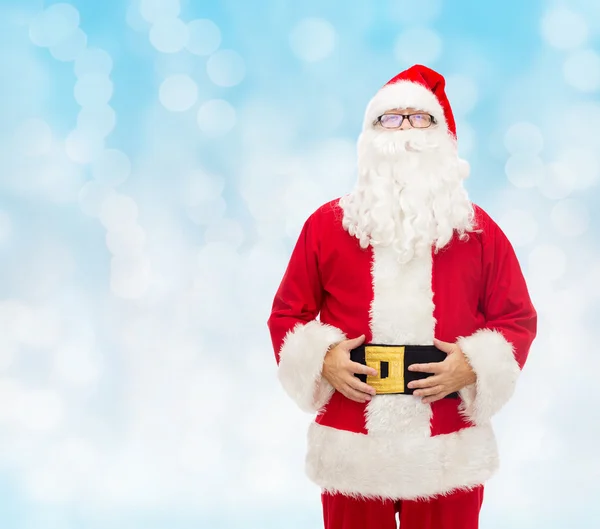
(169, 35)
(53, 25)
(227, 231)
(92, 196)
(201, 186)
(564, 29)
(523, 138)
(418, 46)
(571, 217)
(83, 146)
(226, 68)
(112, 167)
(312, 39)
(524, 171)
(558, 181)
(130, 277)
(207, 211)
(520, 226)
(127, 242)
(216, 117)
(39, 409)
(71, 47)
(34, 137)
(118, 212)
(93, 90)
(582, 70)
(585, 165)
(77, 365)
(547, 262)
(463, 93)
(157, 10)
(178, 93)
(93, 61)
(204, 37)
(466, 138)
(134, 18)
(99, 120)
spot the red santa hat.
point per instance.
(420, 88)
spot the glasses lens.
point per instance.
(420, 121)
(391, 121)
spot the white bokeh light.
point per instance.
(92, 196)
(93, 61)
(225, 230)
(93, 89)
(462, 91)
(169, 35)
(83, 146)
(313, 39)
(547, 262)
(584, 164)
(205, 212)
(563, 28)
(558, 181)
(97, 120)
(156, 10)
(200, 186)
(571, 217)
(178, 93)
(39, 409)
(524, 138)
(524, 171)
(117, 212)
(127, 242)
(6, 226)
(520, 226)
(54, 24)
(111, 167)
(8, 352)
(582, 70)
(216, 117)
(77, 366)
(33, 137)
(204, 37)
(130, 277)
(226, 68)
(418, 45)
(71, 47)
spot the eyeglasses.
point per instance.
(394, 121)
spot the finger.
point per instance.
(435, 368)
(425, 382)
(428, 392)
(361, 386)
(361, 369)
(354, 342)
(446, 347)
(434, 398)
(354, 395)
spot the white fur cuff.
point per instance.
(301, 362)
(492, 358)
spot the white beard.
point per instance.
(410, 192)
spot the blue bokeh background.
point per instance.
(157, 160)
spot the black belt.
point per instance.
(392, 361)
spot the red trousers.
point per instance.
(458, 510)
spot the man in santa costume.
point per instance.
(403, 321)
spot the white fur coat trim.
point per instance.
(400, 466)
(301, 362)
(492, 358)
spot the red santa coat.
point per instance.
(471, 292)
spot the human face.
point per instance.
(405, 118)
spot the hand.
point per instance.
(453, 374)
(339, 371)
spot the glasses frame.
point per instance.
(406, 116)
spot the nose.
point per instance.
(405, 124)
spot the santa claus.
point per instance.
(403, 321)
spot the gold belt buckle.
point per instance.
(394, 356)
